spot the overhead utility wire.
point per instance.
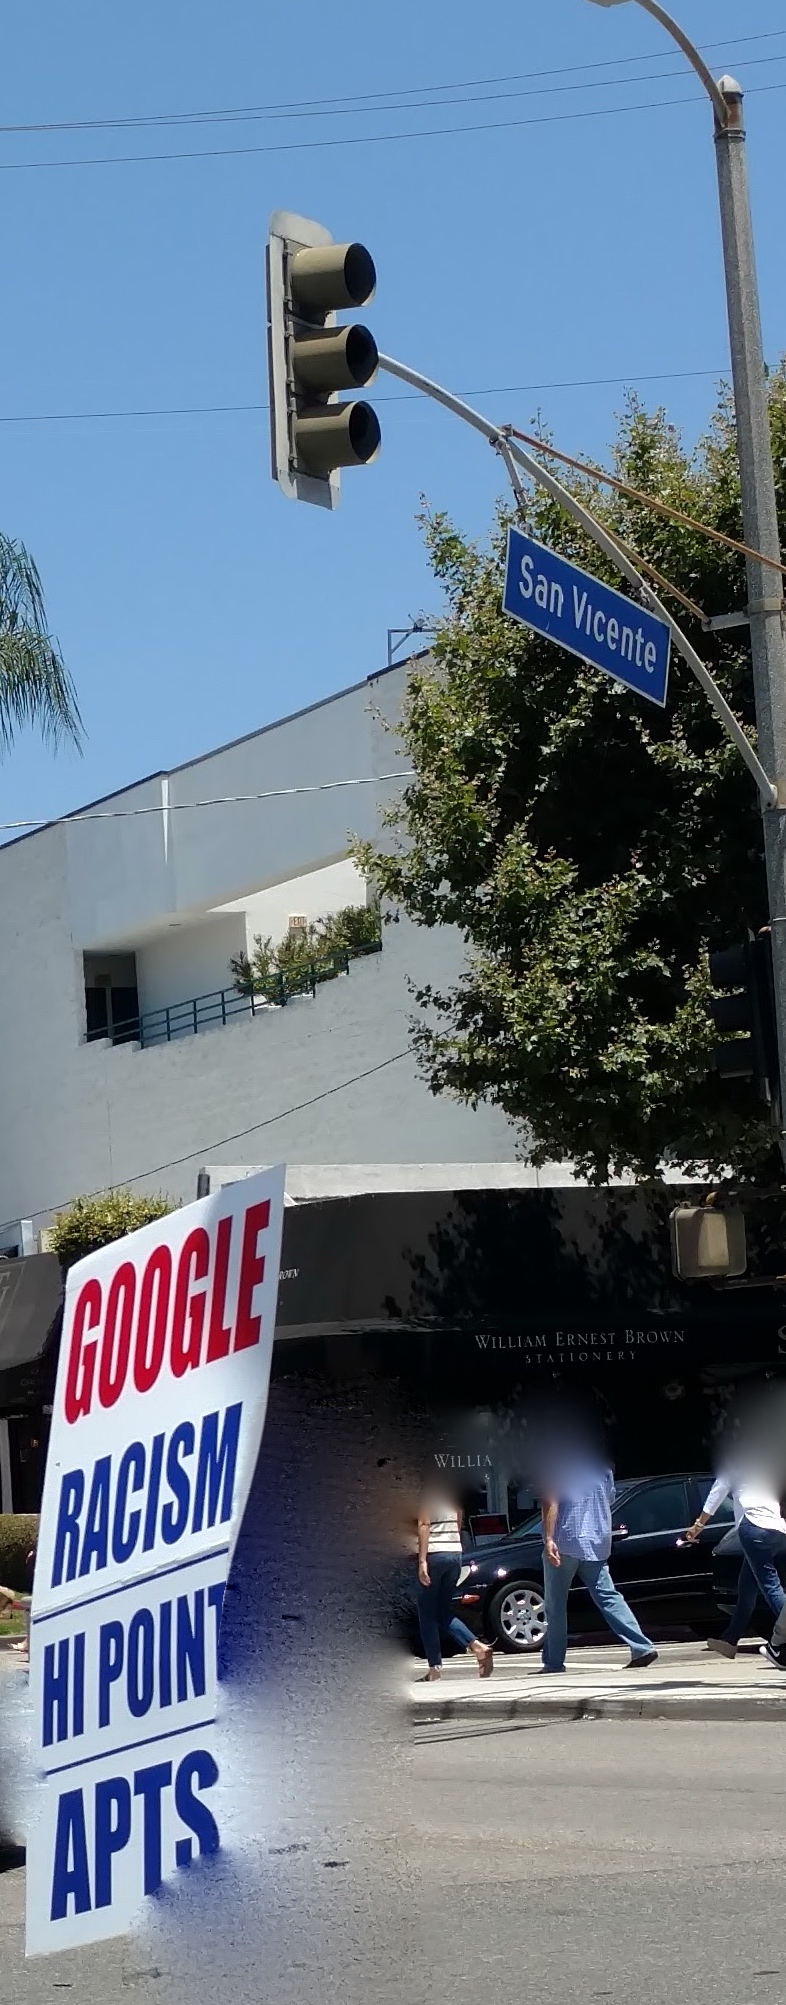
(207, 1149)
(397, 397)
(377, 99)
(649, 500)
(360, 139)
(358, 109)
(216, 801)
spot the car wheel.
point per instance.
(517, 1616)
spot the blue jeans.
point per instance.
(558, 1581)
(435, 1608)
(759, 1576)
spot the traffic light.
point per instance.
(743, 1011)
(311, 357)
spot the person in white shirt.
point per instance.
(761, 1530)
(440, 1559)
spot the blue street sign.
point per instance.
(574, 609)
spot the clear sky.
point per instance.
(536, 184)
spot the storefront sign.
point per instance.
(561, 1350)
(158, 1414)
(646, 1345)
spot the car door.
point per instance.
(646, 1562)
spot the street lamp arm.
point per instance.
(679, 36)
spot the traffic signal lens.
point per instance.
(337, 435)
(344, 360)
(364, 432)
(332, 276)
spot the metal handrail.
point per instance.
(197, 1013)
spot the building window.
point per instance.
(111, 997)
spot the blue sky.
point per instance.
(577, 241)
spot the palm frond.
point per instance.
(35, 686)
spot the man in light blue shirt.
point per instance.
(576, 1516)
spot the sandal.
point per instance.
(486, 1664)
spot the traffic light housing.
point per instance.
(743, 1011)
(311, 357)
(707, 1244)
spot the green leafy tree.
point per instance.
(588, 846)
(313, 951)
(35, 687)
(92, 1222)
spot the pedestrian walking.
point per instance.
(440, 1559)
(761, 1530)
(576, 1515)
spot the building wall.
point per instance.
(255, 1078)
(323, 891)
(190, 960)
(128, 877)
(241, 1094)
(80, 1117)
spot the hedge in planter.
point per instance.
(92, 1222)
(18, 1534)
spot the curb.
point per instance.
(654, 1706)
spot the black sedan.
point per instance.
(500, 1592)
(726, 1564)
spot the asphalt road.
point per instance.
(598, 1860)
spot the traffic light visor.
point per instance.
(331, 276)
(337, 435)
(344, 359)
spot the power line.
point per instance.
(358, 139)
(648, 501)
(397, 397)
(379, 100)
(240, 1135)
(358, 108)
(218, 801)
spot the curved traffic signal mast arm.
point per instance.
(605, 542)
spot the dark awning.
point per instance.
(496, 1261)
(31, 1305)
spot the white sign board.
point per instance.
(161, 1393)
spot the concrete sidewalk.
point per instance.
(688, 1682)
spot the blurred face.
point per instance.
(755, 1440)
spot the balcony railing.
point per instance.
(222, 1006)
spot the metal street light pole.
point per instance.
(757, 481)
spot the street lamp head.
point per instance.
(728, 85)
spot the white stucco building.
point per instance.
(128, 915)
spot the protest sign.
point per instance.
(158, 1414)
